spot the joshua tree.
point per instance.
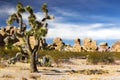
(38, 29)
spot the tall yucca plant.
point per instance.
(38, 29)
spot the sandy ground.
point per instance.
(74, 69)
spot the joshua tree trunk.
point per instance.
(33, 53)
(33, 66)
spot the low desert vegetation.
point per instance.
(102, 58)
(89, 71)
(92, 57)
(8, 53)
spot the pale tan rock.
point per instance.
(89, 44)
(76, 46)
(59, 44)
(116, 46)
(3, 29)
(68, 48)
(103, 47)
(13, 30)
(103, 44)
(4, 34)
(8, 28)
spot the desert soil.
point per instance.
(73, 69)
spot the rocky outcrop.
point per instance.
(89, 44)
(76, 46)
(57, 44)
(68, 48)
(116, 46)
(7, 35)
(103, 47)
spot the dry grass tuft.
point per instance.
(35, 77)
(7, 76)
(88, 72)
(23, 78)
(2, 65)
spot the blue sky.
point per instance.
(97, 19)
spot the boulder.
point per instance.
(3, 29)
(58, 43)
(68, 48)
(89, 44)
(103, 47)
(8, 29)
(76, 46)
(4, 34)
(116, 46)
(103, 44)
(13, 30)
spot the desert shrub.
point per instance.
(92, 57)
(56, 55)
(116, 55)
(8, 53)
(98, 57)
(35, 77)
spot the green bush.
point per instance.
(98, 57)
(8, 53)
(92, 57)
(56, 55)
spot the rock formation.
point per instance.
(76, 46)
(57, 44)
(7, 35)
(103, 47)
(116, 46)
(68, 48)
(89, 44)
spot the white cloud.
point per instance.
(7, 10)
(72, 31)
(97, 31)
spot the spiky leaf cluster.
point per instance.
(41, 32)
(29, 9)
(20, 8)
(31, 20)
(44, 8)
(11, 19)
